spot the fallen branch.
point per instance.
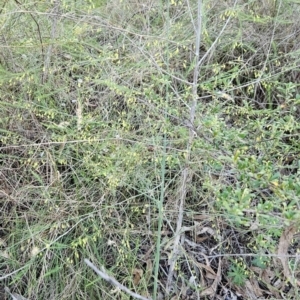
(113, 281)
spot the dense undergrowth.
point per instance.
(95, 101)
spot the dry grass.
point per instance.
(96, 132)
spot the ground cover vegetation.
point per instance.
(158, 139)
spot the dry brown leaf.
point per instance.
(267, 275)
(284, 242)
(213, 288)
(210, 276)
(199, 240)
(253, 288)
(257, 270)
(137, 275)
(206, 229)
(206, 267)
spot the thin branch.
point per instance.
(186, 175)
(12, 273)
(196, 70)
(53, 37)
(216, 40)
(14, 296)
(113, 281)
(37, 25)
(253, 255)
(175, 251)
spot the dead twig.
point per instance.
(113, 281)
(186, 175)
(53, 37)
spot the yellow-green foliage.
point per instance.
(95, 100)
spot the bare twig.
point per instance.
(297, 256)
(12, 273)
(37, 25)
(200, 61)
(175, 251)
(53, 37)
(14, 296)
(186, 175)
(113, 281)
